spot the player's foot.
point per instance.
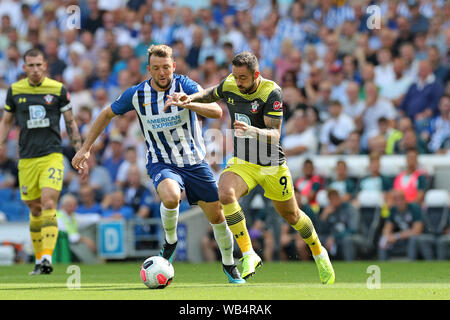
(168, 251)
(326, 271)
(249, 264)
(232, 274)
(46, 267)
(36, 270)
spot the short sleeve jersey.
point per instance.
(37, 110)
(251, 108)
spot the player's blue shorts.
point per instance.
(197, 180)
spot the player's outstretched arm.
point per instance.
(199, 102)
(79, 161)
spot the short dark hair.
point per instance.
(247, 59)
(33, 52)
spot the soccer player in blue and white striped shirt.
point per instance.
(175, 150)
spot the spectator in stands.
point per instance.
(88, 204)
(115, 159)
(410, 140)
(336, 129)
(299, 138)
(338, 89)
(309, 184)
(115, 207)
(342, 183)
(403, 226)
(418, 22)
(323, 100)
(376, 107)
(403, 124)
(337, 223)
(67, 222)
(8, 170)
(137, 196)
(352, 145)
(353, 106)
(312, 83)
(375, 181)
(441, 71)
(440, 126)
(422, 98)
(395, 89)
(412, 181)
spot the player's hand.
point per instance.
(178, 99)
(242, 129)
(79, 162)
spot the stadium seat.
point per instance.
(6, 195)
(436, 213)
(370, 203)
(15, 211)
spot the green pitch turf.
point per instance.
(274, 281)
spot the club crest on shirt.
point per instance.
(254, 105)
(48, 99)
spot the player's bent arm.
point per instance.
(72, 130)
(5, 127)
(103, 119)
(273, 131)
(205, 96)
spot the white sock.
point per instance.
(224, 238)
(169, 219)
(38, 261)
(251, 251)
(48, 257)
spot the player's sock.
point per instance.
(169, 218)
(49, 232)
(36, 236)
(306, 230)
(236, 221)
(224, 238)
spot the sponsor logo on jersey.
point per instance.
(277, 105)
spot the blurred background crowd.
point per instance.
(352, 84)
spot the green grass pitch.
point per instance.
(273, 281)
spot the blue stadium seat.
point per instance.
(6, 195)
(15, 211)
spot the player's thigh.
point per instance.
(233, 184)
(213, 211)
(28, 173)
(277, 183)
(52, 175)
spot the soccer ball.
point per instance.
(157, 272)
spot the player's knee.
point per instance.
(227, 195)
(171, 201)
(35, 208)
(291, 216)
(48, 204)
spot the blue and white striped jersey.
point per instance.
(172, 137)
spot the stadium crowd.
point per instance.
(350, 87)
